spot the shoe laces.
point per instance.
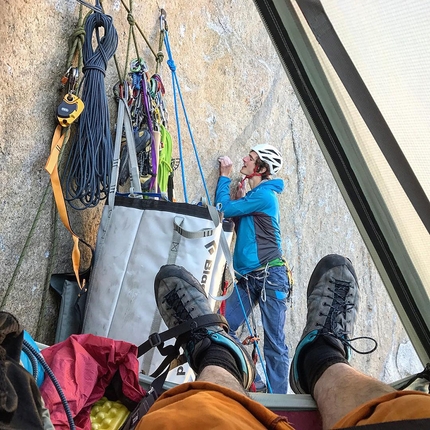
(174, 300)
(339, 308)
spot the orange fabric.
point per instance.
(203, 405)
(396, 406)
(52, 168)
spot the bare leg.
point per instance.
(340, 389)
(220, 376)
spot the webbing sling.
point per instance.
(214, 213)
(52, 168)
(124, 123)
(172, 351)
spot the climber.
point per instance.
(262, 273)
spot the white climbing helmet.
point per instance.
(270, 155)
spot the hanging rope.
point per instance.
(159, 56)
(175, 85)
(24, 249)
(139, 29)
(163, 27)
(90, 160)
(53, 251)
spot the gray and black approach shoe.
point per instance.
(333, 298)
(180, 297)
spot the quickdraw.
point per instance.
(148, 115)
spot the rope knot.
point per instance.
(159, 57)
(79, 34)
(130, 19)
(172, 65)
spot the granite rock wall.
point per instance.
(236, 94)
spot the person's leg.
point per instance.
(234, 314)
(320, 365)
(220, 376)
(224, 368)
(180, 298)
(341, 389)
(235, 310)
(273, 308)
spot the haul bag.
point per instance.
(135, 238)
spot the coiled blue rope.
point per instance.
(89, 163)
(175, 85)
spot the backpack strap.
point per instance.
(141, 409)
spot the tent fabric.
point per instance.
(386, 45)
(84, 366)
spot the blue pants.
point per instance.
(273, 307)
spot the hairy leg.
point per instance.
(220, 376)
(340, 389)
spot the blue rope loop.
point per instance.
(89, 164)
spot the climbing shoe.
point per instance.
(332, 300)
(180, 298)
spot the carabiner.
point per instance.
(73, 74)
(163, 22)
(263, 290)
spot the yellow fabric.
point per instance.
(52, 168)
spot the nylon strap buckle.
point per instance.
(154, 339)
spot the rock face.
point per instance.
(236, 94)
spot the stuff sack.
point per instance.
(87, 368)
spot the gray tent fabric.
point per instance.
(361, 71)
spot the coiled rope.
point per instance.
(89, 164)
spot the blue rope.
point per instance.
(175, 84)
(172, 66)
(236, 288)
(33, 354)
(89, 163)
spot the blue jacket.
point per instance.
(258, 239)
